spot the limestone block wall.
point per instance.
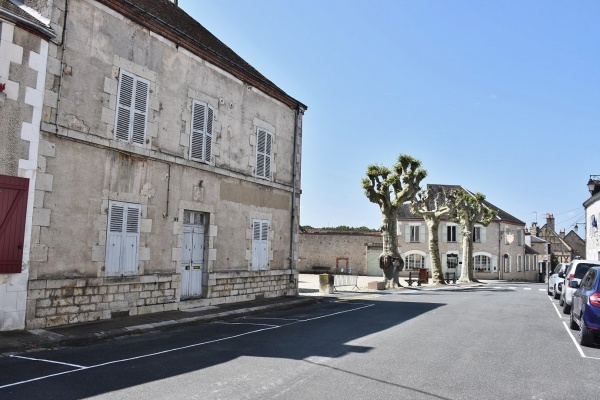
(336, 250)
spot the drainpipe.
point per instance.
(500, 259)
(293, 213)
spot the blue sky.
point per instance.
(500, 97)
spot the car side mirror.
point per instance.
(574, 284)
(561, 275)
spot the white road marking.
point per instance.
(542, 290)
(526, 288)
(276, 319)
(50, 361)
(269, 327)
(245, 323)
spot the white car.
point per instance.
(576, 271)
(556, 280)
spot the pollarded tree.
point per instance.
(469, 210)
(389, 189)
(433, 205)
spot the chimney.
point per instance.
(562, 234)
(550, 221)
(534, 229)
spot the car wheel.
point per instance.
(562, 300)
(585, 337)
(549, 292)
(566, 308)
(556, 294)
(572, 323)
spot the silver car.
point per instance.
(556, 280)
(576, 271)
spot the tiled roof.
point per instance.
(529, 250)
(404, 212)
(15, 13)
(170, 21)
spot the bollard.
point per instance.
(326, 283)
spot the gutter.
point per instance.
(48, 32)
(293, 213)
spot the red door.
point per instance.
(13, 208)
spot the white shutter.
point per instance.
(264, 245)
(494, 263)
(197, 138)
(209, 132)
(124, 106)
(263, 154)
(114, 238)
(407, 233)
(482, 234)
(260, 244)
(132, 108)
(458, 234)
(444, 263)
(132, 237)
(444, 233)
(421, 234)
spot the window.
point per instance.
(519, 263)
(527, 262)
(122, 238)
(260, 244)
(452, 261)
(482, 263)
(132, 108)
(477, 234)
(415, 261)
(263, 154)
(201, 132)
(414, 234)
(451, 233)
(506, 262)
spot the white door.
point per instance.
(192, 261)
(373, 262)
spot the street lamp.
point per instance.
(594, 184)
(576, 228)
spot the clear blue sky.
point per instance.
(500, 97)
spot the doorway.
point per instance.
(192, 257)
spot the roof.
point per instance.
(404, 212)
(15, 11)
(170, 21)
(529, 250)
(323, 231)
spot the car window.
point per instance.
(588, 279)
(581, 269)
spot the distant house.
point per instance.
(168, 172)
(23, 57)
(563, 252)
(499, 248)
(592, 218)
(334, 251)
(575, 242)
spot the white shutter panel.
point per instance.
(265, 245)
(407, 233)
(132, 238)
(114, 238)
(494, 263)
(198, 130)
(255, 244)
(269, 138)
(458, 234)
(444, 233)
(140, 111)
(209, 132)
(260, 153)
(482, 234)
(421, 234)
(124, 106)
(444, 263)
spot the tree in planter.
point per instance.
(468, 210)
(432, 205)
(389, 189)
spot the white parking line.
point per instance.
(50, 361)
(527, 288)
(82, 368)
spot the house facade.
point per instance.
(169, 174)
(498, 249)
(563, 252)
(592, 217)
(24, 36)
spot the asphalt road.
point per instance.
(502, 341)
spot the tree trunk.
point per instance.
(390, 261)
(466, 275)
(437, 274)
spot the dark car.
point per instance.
(585, 307)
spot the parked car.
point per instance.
(585, 309)
(576, 271)
(556, 280)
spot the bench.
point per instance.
(410, 279)
(319, 269)
(448, 279)
(345, 280)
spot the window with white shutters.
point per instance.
(260, 244)
(201, 132)
(132, 108)
(263, 154)
(122, 241)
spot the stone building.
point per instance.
(24, 36)
(563, 252)
(170, 170)
(592, 217)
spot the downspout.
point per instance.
(166, 213)
(62, 64)
(500, 259)
(293, 213)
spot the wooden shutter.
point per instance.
(483, 234)
(115, 238)
(444, 233)
(13, 215)
(407, 233)
(122, 242)
(263, 154)
(260, 244)
(421, 233)
(209, 133)
(132, 108)
(198, 129)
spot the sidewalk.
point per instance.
(90, 332)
